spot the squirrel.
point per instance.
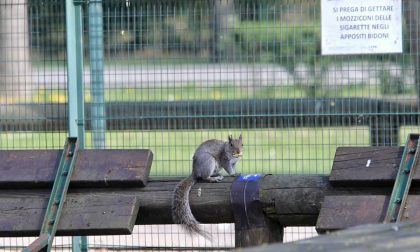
(208, 159)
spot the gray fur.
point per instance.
(208, 160)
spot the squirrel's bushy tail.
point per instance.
(181, 211)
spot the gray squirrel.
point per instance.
(208, 160)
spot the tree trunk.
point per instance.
(221, 44)
(15, 66)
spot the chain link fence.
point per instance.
(168, 75)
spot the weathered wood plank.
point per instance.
(22, 212)
(411, 211)
(366, 166)
(20, 167)
(97, 168)
(340, 212)
(351, 153)
(113, 167)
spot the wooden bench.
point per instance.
(27, 176)
(362, 179)
(107, 193)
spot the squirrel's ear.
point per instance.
(240, 137)
(230, 138)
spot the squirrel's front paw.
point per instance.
(214, 179)
(218, 178)
(235, 174)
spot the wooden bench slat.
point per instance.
(366, 166)
(23, 169)
(22, 211)
(340, 212)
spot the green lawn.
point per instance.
(291, 150)
(300, 150)
(193, 91)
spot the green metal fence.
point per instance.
(167, 75)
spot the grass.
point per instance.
(192, 91)
(277, 151)
(195, 92)
(281, 151)
(289, 151)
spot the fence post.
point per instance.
(74, 28)
(75, 87)
(272, 232)
(96, 51)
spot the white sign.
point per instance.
(361, 26)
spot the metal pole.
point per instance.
(74, 28)
(79, 244)
(96, 49)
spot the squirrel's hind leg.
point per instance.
(205, 167)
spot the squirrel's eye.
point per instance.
(231, 144)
